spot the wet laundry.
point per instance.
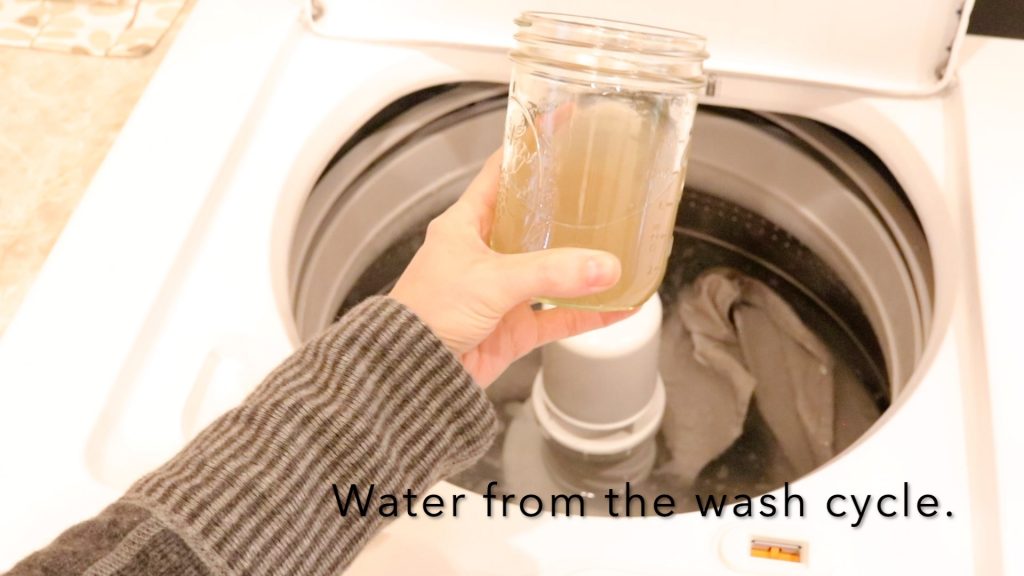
(730, 344)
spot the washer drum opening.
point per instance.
(804, 209)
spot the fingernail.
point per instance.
(601, 270)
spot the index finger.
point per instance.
(481, 195)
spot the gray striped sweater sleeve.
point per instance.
(376, 399)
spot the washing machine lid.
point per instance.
(906, 47)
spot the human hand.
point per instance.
(477, 301)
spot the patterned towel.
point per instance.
(93, 27)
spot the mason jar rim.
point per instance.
(595, 51)
(608, 34)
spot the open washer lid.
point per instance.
(904, 47)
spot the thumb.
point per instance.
(555, 273)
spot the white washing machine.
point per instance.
(284, 150)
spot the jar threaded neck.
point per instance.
(596, 50)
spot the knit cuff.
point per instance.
(376, 399)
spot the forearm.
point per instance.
(376, 399)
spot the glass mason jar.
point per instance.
(595, 150)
